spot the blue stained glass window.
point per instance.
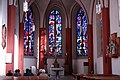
(55, 32)
(82, 36)
(28, 33)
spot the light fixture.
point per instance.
(33, 27)
(98, 7)
(25, 6)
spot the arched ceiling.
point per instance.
(44, 3)
(68, 4)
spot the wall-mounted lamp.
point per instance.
(33, 27)
(98, 7)
(25, 6)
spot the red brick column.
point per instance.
(42, 45)
(21, 48)
(10, 36)
(105, 40)
(90, 49)
(69, 48)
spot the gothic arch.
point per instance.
(59, 6)
(54, 4)
(74, 11)
(76, 7)
(36, 15)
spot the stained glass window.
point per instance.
(28, 33)
(55, 32)
(82, 30)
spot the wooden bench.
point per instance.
(102, 77)
(95, 77)
(23, 78)
(76, 76)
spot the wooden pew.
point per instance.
(102, 77)
(95, 77)
(78, 76)
(23, 78)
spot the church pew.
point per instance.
(77, 76)
(23, 78)
(95, 77)
(100, 77)
(103, 78)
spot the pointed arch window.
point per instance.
(28, 33)
(55, 32)
(81, 31)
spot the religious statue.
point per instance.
(45, 58)
(4, 36)
(66, 59)
(56, 64)
(111, 48)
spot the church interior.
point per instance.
(63, 37)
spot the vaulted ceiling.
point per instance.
(42, 5)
